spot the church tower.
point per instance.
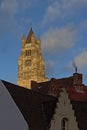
(31, 64)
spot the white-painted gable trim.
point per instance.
(10, 116)
(64, 110)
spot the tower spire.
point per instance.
(29, 36)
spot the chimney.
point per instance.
(77, 78)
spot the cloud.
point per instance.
(12, 7)
(24, 4)
(50, 65)
(61, 9)
(9, 7)
(58, 40)
(81, 60)
(9, 11)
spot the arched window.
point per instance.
(64, 124)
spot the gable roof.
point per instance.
(31, 105)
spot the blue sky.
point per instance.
(62, 27)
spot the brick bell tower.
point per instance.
(31, 64)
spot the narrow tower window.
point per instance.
(64, 124)
(28, 52)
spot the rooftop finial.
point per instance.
(74, 65)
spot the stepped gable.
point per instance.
(28, 40)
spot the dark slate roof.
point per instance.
(29, 36)
(80, 109)
(36, 108)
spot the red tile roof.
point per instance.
(76, 95)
